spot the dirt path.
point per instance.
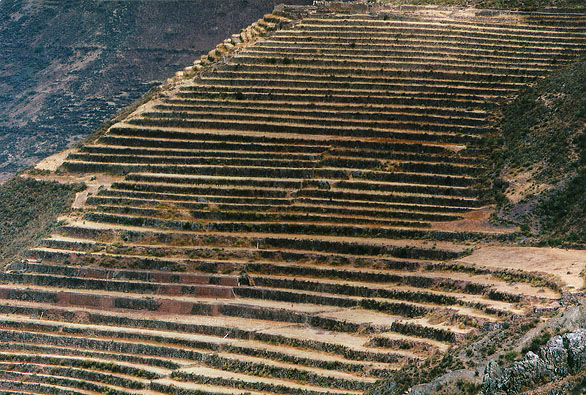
(52, 162)
(474, 221)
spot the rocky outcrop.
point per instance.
(563, 355)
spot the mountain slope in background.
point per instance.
(68, 66)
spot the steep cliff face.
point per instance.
(69, 66)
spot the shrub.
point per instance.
(22, 221)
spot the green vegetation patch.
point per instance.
(29, 211)
(541, 159)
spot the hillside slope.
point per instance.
(302, 212)
(68, 66)
(542, 159)
(540, 165)
(21, 221)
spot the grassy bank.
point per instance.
(29, 211)
(541, 159)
